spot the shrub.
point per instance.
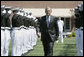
(73, 34)
(70, 35)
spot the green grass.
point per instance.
(68, 48)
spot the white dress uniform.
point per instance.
(26, 44)
(29, 46)
(30, 33)
(33, 32)
(24, 48)
(2, 35)
(7, 37)
(34, 35)
(79, 29)
(60, 26)
(16, 38)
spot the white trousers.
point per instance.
(28, 40)
(16, 43)
(23, 40)
(79, 42)
(61, 36)
(5, 41)
(2, 42)
(33, 36)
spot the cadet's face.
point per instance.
(48, 12)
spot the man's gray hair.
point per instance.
(48, 8)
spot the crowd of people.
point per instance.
(21, 29)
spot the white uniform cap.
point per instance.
(81, 7)
(21, 13)
(3, 6)
(9, 11)
(18, 12)
(15, 10)
(7, 8)
(4, 11)
(30, 13)
(34, 17)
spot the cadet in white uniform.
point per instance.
(33, 29)
(60, 25)
(16, 34)
(2, 29)
(5, 33)
(7, 29)
(79, 29)
(28, 33)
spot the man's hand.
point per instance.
(39, 34)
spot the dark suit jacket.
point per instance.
(49, 33)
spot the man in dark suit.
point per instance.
(49, 31)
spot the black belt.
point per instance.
(32, 27)
(76, 28)
(19, 28)
(79, 28)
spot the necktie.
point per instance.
(47, 21)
